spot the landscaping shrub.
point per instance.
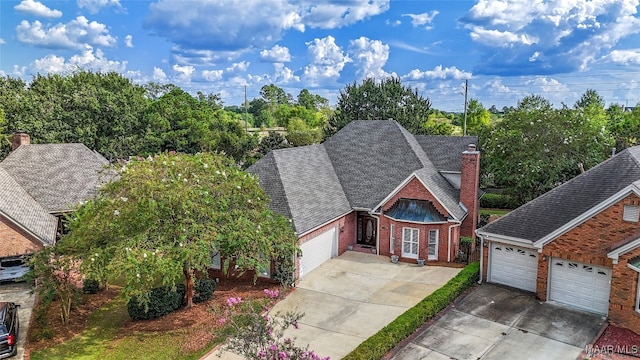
(162, 300)
(498, 201)
(484, 220)
(90, 286)
(388, 337)
(204, 289)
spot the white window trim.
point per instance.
(638, 296)
(435, 255)
(392, 234)
(416, 240)
(631, 213)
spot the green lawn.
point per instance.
(498, 212)
(101, 341)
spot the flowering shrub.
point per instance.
(259, 336)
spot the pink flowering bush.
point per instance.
(258, 336)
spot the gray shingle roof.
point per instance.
(550, 211)
(58, 176)
(444, 151)
(17, 205)
(357, 168)
(302, 181)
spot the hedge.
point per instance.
(90, 286)
(162, 300)
(498, 201)
(388, 337)
(203, 289)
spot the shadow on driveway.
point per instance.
(19, 293)
(493, 322)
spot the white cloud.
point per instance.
(37, 8)
(94, 6)
(204, 57)
(128, 41)
(624, 57)
(326, 61)
(369, 56)
(438, 72)
(424, 19)
(335, 14)
(87, 60)
(238, 67)
(284, 75)
(277, 54)
(159, 74)
(393, 23)
(546, 85)
(212, 75)
(572, 34)
(184, 73)
(2, 41)
(75, 34)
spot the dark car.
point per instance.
(9, 326)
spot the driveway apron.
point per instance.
(349, 298)
(494, 322)
(19, 293)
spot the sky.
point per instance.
(506, 49)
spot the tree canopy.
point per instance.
(380, 100)
(166, 216)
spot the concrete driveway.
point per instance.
(349, 298)
(19, 293)
(494, 322)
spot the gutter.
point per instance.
(481, 256)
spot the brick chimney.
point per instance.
(469, 184)
(19, 138)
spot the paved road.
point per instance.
(19, 293)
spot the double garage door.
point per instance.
(318, 250)
(576, 284)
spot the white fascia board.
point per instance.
(18, 224)
(615, 254)
(403, 184)
(506, 239)
(633, 268)
(632, 188)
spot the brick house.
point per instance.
(578, 244)
(39, 184)
(376, 188)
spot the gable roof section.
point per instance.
(58, 176)
(566, 204)
(307, 184)
(18, 206)
(444, 151)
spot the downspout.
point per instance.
(481, 256)
(458, 223)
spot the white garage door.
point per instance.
(581, 285)
(318, 250)
(514, 266)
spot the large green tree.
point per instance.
(166, 215)
(536, 147)
(380, 100)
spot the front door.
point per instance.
(367, 231)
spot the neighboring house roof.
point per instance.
(58, 176)
(357, 168)
(551, 211)
(18, 206)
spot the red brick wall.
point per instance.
(469, 182)
(624, 289)
(443, 239)
(590, 241)
(415, 190)
(15, 241)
